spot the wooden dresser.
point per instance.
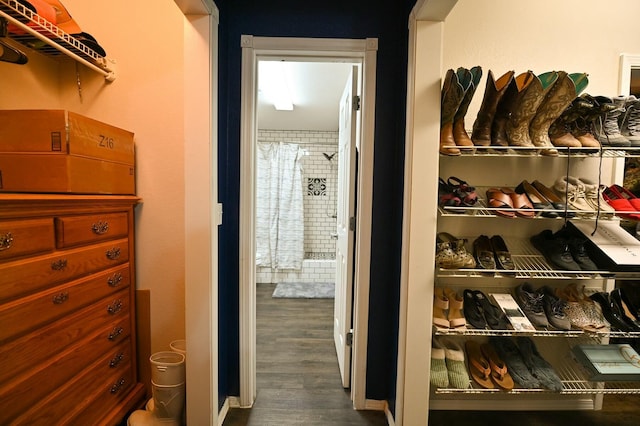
(67, 310)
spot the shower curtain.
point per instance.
(279, 208)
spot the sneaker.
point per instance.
(554, 309)
(607, 129)
(629, 121)
(556, 250)
(530, 301)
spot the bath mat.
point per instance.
(304, 291)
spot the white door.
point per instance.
(345, 226)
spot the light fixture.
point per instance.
(273, 83)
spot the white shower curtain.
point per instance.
(279, 208)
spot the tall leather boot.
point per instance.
(460, 135)
(494, 90)
(451, 97)
(512, 97)
(560, 95)
(517, 126)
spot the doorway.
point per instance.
(362, 52)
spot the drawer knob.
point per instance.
(113, 254)
(115, 307)
(116, 360)
(5, 241)
(115, 280)
(59, 299)
(100, 227)
(59, 265)
(117, 331)
(118, 385)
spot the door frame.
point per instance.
(364, 51)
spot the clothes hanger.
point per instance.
(9, 53)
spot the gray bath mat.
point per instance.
(304, 290)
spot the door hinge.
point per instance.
(349, 339)
(356, 103)
(352, 223)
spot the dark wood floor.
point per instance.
(298, 379)
(299, 383)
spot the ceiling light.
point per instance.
(273, 82)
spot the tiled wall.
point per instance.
(320, 178)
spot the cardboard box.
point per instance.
(64, 174)
(62, 132)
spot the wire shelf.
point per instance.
(514, 151)
(530, 264)
(46, 38)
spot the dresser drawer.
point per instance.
(94, 322)
(73, 397)
(87, 229)
(20, 395)
(24, 314)
(24, 237)
(22, 277)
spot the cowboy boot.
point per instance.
(452, 94)
(460, 135)
(560, 131)
(517, 127)
(494, 90)
(512, 96)
(565, 89)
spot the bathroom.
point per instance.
(303, 249)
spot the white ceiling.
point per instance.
(315, 88)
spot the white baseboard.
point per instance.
(223, 412)
(377, 405)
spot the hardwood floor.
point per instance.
(299, 383)
(298, 379)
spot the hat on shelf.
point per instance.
(64, 21)
(40, 7)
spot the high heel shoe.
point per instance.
(626, 311)
(611, 311)
(440, 307)
(456, 316)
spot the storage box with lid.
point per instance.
(61, 151)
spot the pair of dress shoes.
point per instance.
(492, 253)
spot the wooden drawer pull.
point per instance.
(59, 299)
(113, 254)
(59, 265)
(116, 360)
(5, 241)
(117, 331)
(115, 280)
(115, 307)
(100, 227)
(118, 385)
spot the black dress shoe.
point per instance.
(626, 312)
(483, 253)
(610, 311)
(501, 253)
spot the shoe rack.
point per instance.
(423, 219)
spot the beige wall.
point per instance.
(542, 35)
(145, 37)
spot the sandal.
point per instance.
(496, 319)
(463, 190)
(521, 203)
(456, 317)
(499, 372)
(497, 199)
(478, 365)
(446, 195)
(440, 306)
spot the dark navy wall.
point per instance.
(356, 19)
